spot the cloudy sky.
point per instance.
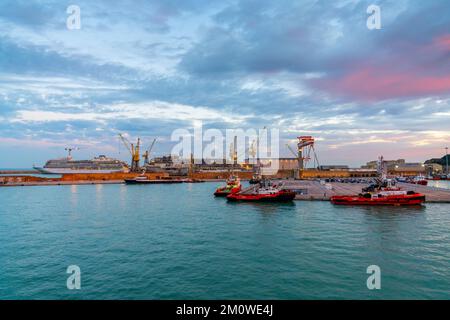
(145, 68)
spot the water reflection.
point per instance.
(99, 196)
(265, 208)
(386, 212)
(74, 195)
(123, 195)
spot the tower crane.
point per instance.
(134, 150)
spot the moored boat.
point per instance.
(233, 185)
(263, 192)
(383, 194)
(68, 165)
(398, 198)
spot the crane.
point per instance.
(252, 151)
(233, 151)
(305, 146)
(147, 153)
(134, 150)
(306, 142)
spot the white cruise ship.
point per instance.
(100, 164)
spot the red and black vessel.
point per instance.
(263, 192)
(410, 198)
(384, 194)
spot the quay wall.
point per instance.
(74, 177)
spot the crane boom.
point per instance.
(146, 154)
(151, 146)
(292, 150)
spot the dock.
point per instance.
(59, 183)
(313, 190)
(307, 190)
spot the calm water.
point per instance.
(177, 241)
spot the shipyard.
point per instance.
(319, 182)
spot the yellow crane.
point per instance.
(134, 150)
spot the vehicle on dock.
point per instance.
(440, 177)
(265, 191)
(233, 185)
(420, 180)
(385, 193)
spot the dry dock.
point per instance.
(314, 190)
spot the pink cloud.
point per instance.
(378, 84)
(419, 72)
(443, 42)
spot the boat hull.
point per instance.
(283, 196)
(73, 171)
(406, 200)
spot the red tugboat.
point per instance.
(233, 185)
(263, 192)
(383, 194)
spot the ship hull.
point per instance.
(406, 200)
(282, 196)
(69, 171)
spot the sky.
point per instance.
(147, 68)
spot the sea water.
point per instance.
(179, 242)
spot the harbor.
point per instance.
(136, 242)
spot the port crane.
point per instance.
(134, 150)
(147, 153)
(233, 151)
(305, 147)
